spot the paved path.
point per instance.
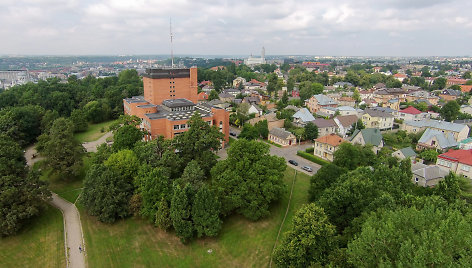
(72, 232)
(73, 235)
(92, 146)
(289, 153)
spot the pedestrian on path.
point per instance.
(80, 249)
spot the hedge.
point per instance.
(310, 150)
(312, 158)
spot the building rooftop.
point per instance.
(428, 172)
(408, 152)
(280, 132)
(204, 110)
(322, 123)
(135, 99)
(324, 100)
(410, 110)
(166, 73)
(370, 135)
(304, 115)
(331, 139)
(461, 156)
(445, 140)
(377, 113)
(173, 103)
(436, 124)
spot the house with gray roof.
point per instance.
(370, 136)
(427, 176)
(326, 126)
(406, 152)
(459, 131)
(282, 137)
(436, 140)
(316, 102)
(302, 117)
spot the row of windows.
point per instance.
(465, 168)
(445, 163)
(182, 126)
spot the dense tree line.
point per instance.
(177, 183)
(28, 110)
(366, 211)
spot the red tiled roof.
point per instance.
(466, 88)
(398, 75)
(410, 110)
(461, 156)
(331, 139)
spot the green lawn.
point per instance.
(39, 244)
(136, 243)
(94, 131)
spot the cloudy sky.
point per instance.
(237, 27)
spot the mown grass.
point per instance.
(38, 244)
(94, 131)
(134, 242)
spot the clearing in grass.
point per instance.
(94, 131)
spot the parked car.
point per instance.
(307, 168)
(232, 134)
(293, 162)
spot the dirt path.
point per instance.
(92, 145)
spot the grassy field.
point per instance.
(39, 244)
(94, 131)
(136, 243)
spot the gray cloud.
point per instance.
(338, 27)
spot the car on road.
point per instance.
(232, 134)
(293, 162)
(307, 168)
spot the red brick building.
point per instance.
(170, 99)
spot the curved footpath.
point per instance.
(73, 235)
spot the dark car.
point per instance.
(307, 168)
(232, 134)
(293, 162)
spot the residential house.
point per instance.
(412, 114)
(393, 104)
(282, 137)
(466, 109)
(465, 144)
(385, 94)
(343, 85)
(345, 123)
(347, 101)
(238, 81)
(202, 96)
(302, 117)
(466, 88)
(226, 97)
(455, 81)
(316, 102)
(370, 136)
(459, 131)
(422, 95)
(341, 110)
(458, 161)
(427, 176)
(233, 91)
(450, 94)
(272, 121)
(369, 102)
(400, 77)
(377, 119)
(326, 126)
(325, 146)
(404, 153)
(255, 109)
(436, 140)
(251, 100)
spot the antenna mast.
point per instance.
(171, 44)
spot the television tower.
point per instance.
(171, 45)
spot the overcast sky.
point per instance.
(242, 27)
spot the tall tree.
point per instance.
(205, 213)
(22, 194)
(450, 111)
(262, 128)
(107, 193)
(310, 240)
(79, 118)
(311, 131)
(180, 211)
(249, 180)
(62, 150)
(126, 137)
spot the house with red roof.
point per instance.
(466, 88)
(400, 77)
(325, 146)
(202, 96)
(412, 114)
(458, 161)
